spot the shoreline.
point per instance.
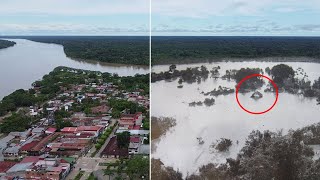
(8, 46)
(90, 61)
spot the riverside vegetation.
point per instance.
(285, 77)
(6, 44)
(131, 50)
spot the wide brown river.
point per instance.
(180, 149)
(28, 61)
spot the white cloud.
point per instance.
(69, 29)
(205, 8)
(286, 9)
(308, 27)
(74, 7)
(28, 16)
(262, 28)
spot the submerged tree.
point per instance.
(281, 72)
(253, 82)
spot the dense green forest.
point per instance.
(169, 50)
(5, 44)
(15, 122)
(110, 49)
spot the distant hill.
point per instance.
(110, 49)
(179, 49)
(6, 44)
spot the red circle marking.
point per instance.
(251, 76)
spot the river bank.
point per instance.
(28, 61)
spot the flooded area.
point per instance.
(28, 61)
(179, 148)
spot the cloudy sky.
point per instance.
(236, 17)
(74, 17)
(169, 17)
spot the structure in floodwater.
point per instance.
(200, 140)
(256, 95)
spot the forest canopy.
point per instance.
(110, 49)
(168, 50)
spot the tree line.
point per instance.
(111, 49)
(168, 50)
(6, 44)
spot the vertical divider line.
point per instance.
(150, 96)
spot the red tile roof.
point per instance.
(128, 115)
(69, 129)
(134, 139)
(113, 149)
(63, 161)
(126, 122)
(136, 127)
(29, 146)
(77, 146)
(131, 117)
(89, 128)
(42, 144)
(51, 129)
(32, 159)
(6, 165)
(100, 109)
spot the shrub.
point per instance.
(98, 146)
(224, 145)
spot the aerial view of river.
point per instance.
(179, 147)
(28, 61)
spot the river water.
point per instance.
(180, 149)
(28, 61)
